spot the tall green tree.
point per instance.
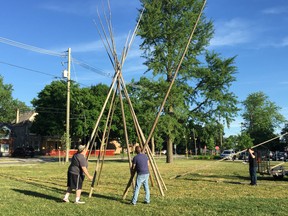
(284, 138)
(201, 91)
(51, 108)
(85, 106)
(261, 117)
(9, 105)
(244, 141)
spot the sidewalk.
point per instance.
(12, 160)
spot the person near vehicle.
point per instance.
(140, 165)
(76, 174)
(252, 166)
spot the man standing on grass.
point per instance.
(140, 165)
(252, 167)
(76, 174)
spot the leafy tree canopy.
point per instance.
(201, 91)
(261, 117)
(9, 105)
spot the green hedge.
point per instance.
(205, 157)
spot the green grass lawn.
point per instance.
(195, 187)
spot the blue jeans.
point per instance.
(141, 179)
(253, 175)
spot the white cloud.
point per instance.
(231, 33)
(284, 42)
(284, 83)
(87, 47)
(140, 68)
(281, 43)
(77, 8)
(275, 10)
(92, 46)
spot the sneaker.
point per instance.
(132, 203)
(79, 202)
(145, 202)
(66, 200)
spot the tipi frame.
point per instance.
(118, 85)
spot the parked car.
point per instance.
(228, 154)
(243, 156)
(23, 152)
(29, 151)
(280, 156)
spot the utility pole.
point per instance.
(194, 141)
(68, 108)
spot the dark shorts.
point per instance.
(75, 181)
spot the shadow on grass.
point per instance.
(37, 194)
(106, 197)
(33, 182)
(215, 180)
(230, 179)
(101, 196)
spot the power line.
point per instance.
(91, 68)
(40, 72)
(49, 52)
(28, 69)
(53, 53)
(31, 48)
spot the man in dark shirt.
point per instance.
(252, 167)
(140, 165)
(76, 173)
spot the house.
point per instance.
(21, 131)
(44, 145)
(6, 140)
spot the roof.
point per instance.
(24, 117)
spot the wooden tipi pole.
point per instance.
(167, 94)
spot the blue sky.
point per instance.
(253, 30)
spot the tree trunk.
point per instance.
(169, 156)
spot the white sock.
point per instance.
(66, 196)
(77, 199)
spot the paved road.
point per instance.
(23, 161)
(46, 159)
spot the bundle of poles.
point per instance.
(118, 87)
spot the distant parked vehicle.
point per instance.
(23, 152)
(29, 151)
(243, 156)
(280, 156)
(18, 152)
(228, 154)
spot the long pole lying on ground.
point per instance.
(255, 146)
(237, 154)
